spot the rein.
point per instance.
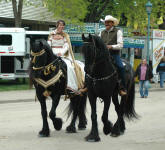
(101, 79)
(94, 63)
(37, 54)
(46, 68)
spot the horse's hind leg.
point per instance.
(107, 124)
(57, 122)
(81, 113)
(119, 126)
(45, 129)
(74, 105)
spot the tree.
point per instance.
(131, 13)
(17, 12)
(96, 9)
(70, 10)
(17, 9)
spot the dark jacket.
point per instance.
(110, 38)
(161, 67)
(149, 73)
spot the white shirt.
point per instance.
(58, 46)
(119, 44)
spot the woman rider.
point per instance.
(61, 46)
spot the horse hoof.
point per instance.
(114, 135)
(121, 132)
(82, 127)
(91, 138)
(57, 122)
(107, 128)
(71, 129)
(82, 124)
(44, 133)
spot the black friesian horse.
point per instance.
(102, 82)
(48, 73)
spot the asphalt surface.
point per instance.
(29, 95)
(20, 122)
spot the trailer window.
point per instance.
(5, 40)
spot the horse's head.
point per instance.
(94, 51)
(41, 53)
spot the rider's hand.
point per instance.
(59, 54)
(109, 46)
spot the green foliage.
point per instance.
(135, 12)
(131, 13)
(71, 11)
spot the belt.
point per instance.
(57, 46)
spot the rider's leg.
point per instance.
(72, 87)
(121, 72)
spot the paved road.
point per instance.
(20, 123)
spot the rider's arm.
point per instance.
(119, 44)
(50, 40)
(65, 47)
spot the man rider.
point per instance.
(113, 38)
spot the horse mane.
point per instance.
(104, 52)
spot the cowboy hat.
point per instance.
(110, 18)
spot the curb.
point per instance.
(16, 101)
(33, 100)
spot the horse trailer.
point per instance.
(15, 51)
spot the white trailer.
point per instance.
(15, 51)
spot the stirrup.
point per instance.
(122, 92)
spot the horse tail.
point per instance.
(129, 102)
(77, 106)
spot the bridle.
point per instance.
(94, 60)
(46, 68)
(35, 54)
(94, 63)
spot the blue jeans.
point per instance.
(162, 78)
(143, 86)
(120, 68)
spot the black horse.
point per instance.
(102, 82)
(48, 73)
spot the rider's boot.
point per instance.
(122, 85)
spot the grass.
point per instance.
(10, 85)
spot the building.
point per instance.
(35, 16)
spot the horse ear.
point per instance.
(83, 37)
(90, 36)
(41, 43)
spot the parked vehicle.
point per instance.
(15, 51)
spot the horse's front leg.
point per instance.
(94, 134)
(119, 126)
(107, 124)
(45, 129)
(57, 122)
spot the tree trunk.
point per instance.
(17, 10)
(95, 12)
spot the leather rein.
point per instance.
(94, 63)
(46, 68)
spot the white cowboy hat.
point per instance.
(110, 18)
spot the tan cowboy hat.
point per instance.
(110, 18)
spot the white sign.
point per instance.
(158, 47)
